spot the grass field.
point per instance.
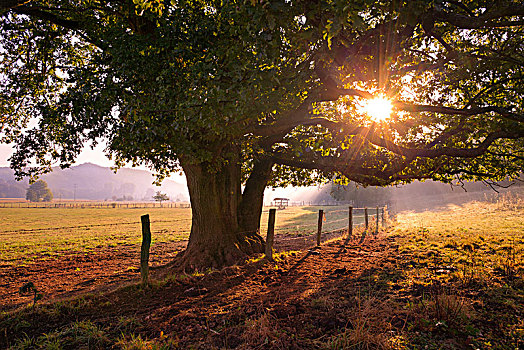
(479, 240)
(28, 234)
(38, 233)
(445, 279)
(466, 267)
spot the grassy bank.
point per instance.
(445, 279)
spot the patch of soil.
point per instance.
(73, 273)
(294, 303)
(102, 269)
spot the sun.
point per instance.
(378, 108)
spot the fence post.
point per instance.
(376, 227)
(144, 254)
(350, 223)
(270, 234)
(319, 231)
(383, 218)
(366, 218)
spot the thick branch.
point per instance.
(487, 19)
(6, 5)
(458, 111)
(286, 122)
(444, 151)
(333, 94)
(354, 167)
(47, 16)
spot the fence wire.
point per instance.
(334, 220)
(287, 223)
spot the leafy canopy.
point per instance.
(165, 83)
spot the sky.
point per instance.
(88, 155)
(95, 156)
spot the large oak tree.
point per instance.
(245, 94)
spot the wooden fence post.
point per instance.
(366, 218)
(350, 222)
(383, 218)
(319, 231)
(144, 254)
(270, 234)
(376, 227)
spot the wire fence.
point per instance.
(333, 220)
(328, 220)
(90, 204)
(35, 233)
(301, 224)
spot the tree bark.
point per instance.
(216, 239)
(250, 209)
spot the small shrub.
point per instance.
(443, 310)
(135, 342)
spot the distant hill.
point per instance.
(94, 182)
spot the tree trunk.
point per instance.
(250, 209)
(216, 239)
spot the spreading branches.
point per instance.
(282, 81)
(492, 18)
(40, 13)
(504, 112)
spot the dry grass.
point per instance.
(259, 332)
(359, 338)
(27, 234)
(366, 329)
(451, 279)
(464, 267)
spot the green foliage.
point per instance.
(39, 192)
(163, 82)
(180, 82)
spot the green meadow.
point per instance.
(38, 233)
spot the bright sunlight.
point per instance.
(378, 108)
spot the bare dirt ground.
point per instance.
(240, 305)
(76, 273)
